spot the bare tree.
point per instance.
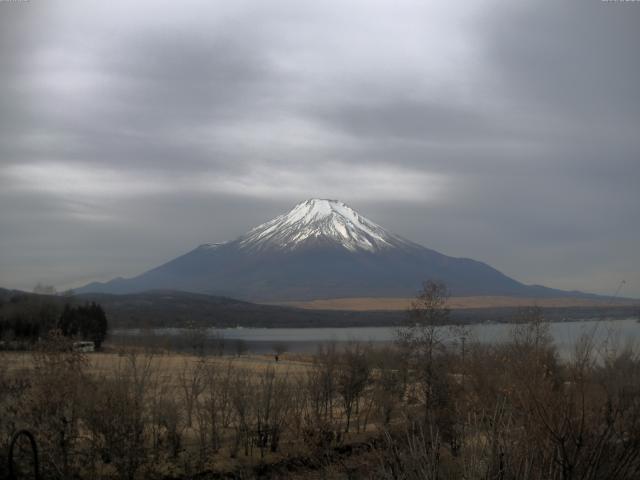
(191, 384)
(353, 375)
(423, 341)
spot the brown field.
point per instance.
(171, 364)
(391, 303)
(423, 410)
(159, 387)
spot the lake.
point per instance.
(261, 340)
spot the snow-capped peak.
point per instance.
(320, 221)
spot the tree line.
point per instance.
(25, 319)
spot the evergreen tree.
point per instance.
(88, 322)
(99, 324)
(68, 322)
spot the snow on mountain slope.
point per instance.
(321, 221)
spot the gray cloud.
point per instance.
(504, 132)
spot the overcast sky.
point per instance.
(132, 131)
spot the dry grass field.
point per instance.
(390, 303)
(174, 387)
(424, 407)
(172, 364)
(421, 409)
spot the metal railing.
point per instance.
(34, 451)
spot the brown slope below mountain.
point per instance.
(392, 303)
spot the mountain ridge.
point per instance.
(320, 249)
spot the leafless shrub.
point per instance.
(411, 455)
(168, 425)
(118, 420)
(388, 388)
(13, 390)
(271, 409)
(242, 403)
(52, 405)
(321, 383)
(214, 409)
(298, 405)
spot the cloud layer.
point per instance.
(502, 131)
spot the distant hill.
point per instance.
(321, 249)
(184, 309)
(173, 308)
(181, 309)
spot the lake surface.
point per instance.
(261, 340)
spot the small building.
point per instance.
(84, 347)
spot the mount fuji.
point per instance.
(320, 249)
